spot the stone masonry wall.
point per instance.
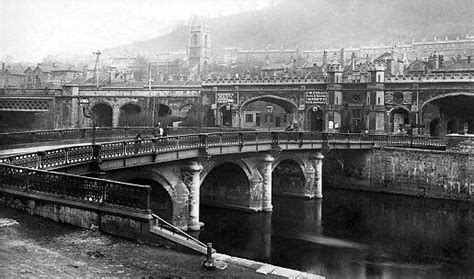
(438, 174)
(430, 173)
(117, 224)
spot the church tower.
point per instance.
(199, 46)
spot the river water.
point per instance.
(351, 234)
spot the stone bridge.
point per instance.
(233, 169)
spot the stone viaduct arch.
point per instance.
(448, 113)
(103, 114)
(131, 115)
(399, 116)
(253, 113)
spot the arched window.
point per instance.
(195, 39)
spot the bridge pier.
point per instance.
(192, 181)
(115, 116)
(317, 162)
(267, 183)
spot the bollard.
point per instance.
(209, 263)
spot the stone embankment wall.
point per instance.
(436, 174)
(113, 221)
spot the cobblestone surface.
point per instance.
(37, 247)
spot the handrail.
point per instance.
(22, 137)
(154, 145)
(76, 187)
(176, 229)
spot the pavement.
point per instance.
(31, 246)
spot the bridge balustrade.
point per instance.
(265, 137)
(168, 143)
(85, 189)
(77, 154)
(213, 139)
(188, 141)
(249, 137)
(14, 138)
(32, 160)
(52, 158)
(112, 149)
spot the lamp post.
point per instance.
(85, 104)
(269, 110)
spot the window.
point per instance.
(195, 40)
(249, 118)
(356, 118)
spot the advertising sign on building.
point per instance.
(223, 98)
(316, 97)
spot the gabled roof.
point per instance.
(15, 72)
(273, 67)
(385, 56)
(419, 66)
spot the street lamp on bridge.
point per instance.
(84, 102)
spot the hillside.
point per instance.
(324, 23)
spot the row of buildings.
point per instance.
(200, 62)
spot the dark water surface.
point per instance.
(351, 234)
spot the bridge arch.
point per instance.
(162, 110)
(253, 113)
(130, 115)
(163, 201)
(103, 114)
(448, 113)
(399, 117)
(215, 163)
(235, 192)
(290, 174)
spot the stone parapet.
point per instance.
(461, 143)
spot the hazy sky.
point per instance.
(32, 29)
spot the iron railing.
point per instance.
(290, 140)
(75, 187)
(105, 133)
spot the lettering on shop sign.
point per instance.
(316, 97)
(223, 98)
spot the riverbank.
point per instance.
(32, 246)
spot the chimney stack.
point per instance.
(341, 59)
(325, 58)
(353, 58)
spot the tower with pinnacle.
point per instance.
(199, 46)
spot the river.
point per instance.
(351, 234)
